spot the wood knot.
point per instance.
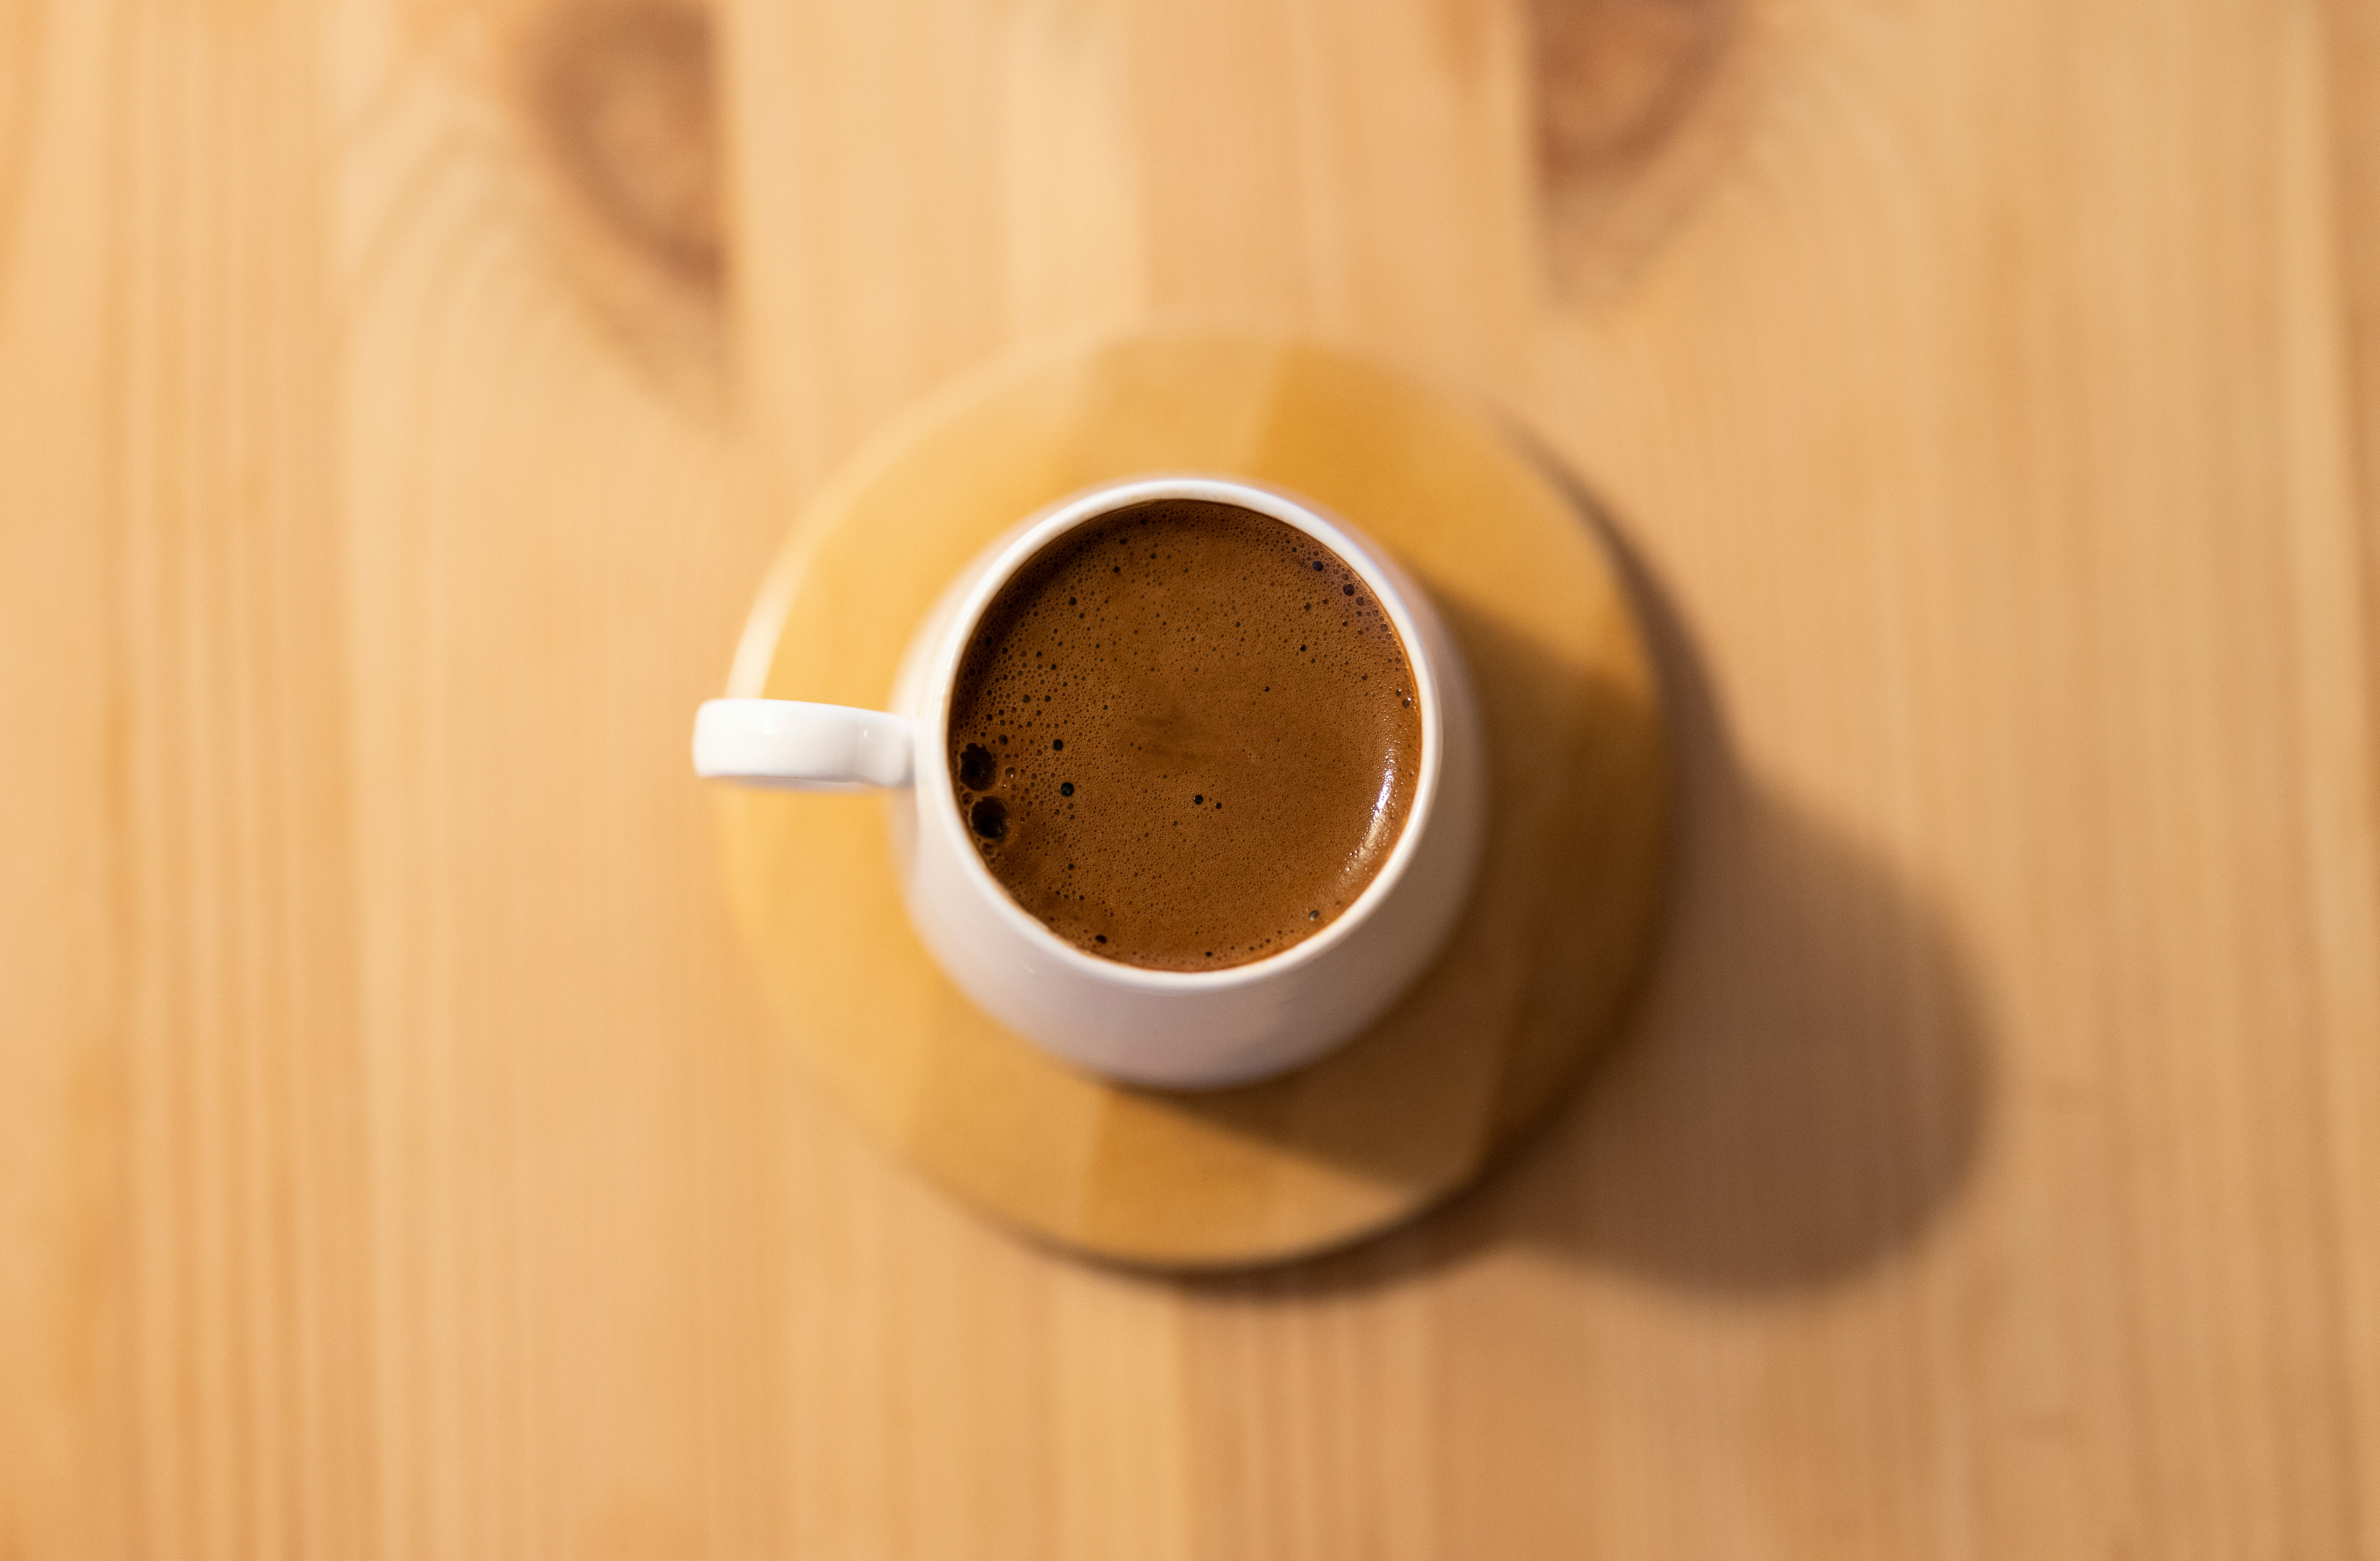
(624, 94)
(1615, 78)
(1637, 104)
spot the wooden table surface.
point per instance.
(399, 400)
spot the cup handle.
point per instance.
(788, 745)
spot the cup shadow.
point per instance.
(1801, 1090)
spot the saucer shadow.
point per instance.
(1801, 1089)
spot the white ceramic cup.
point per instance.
(1182, 1030)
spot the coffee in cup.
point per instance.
(1183, 736)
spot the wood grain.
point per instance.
(394, 1159)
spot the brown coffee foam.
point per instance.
(1239, 728)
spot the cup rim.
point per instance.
(1397, 595)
